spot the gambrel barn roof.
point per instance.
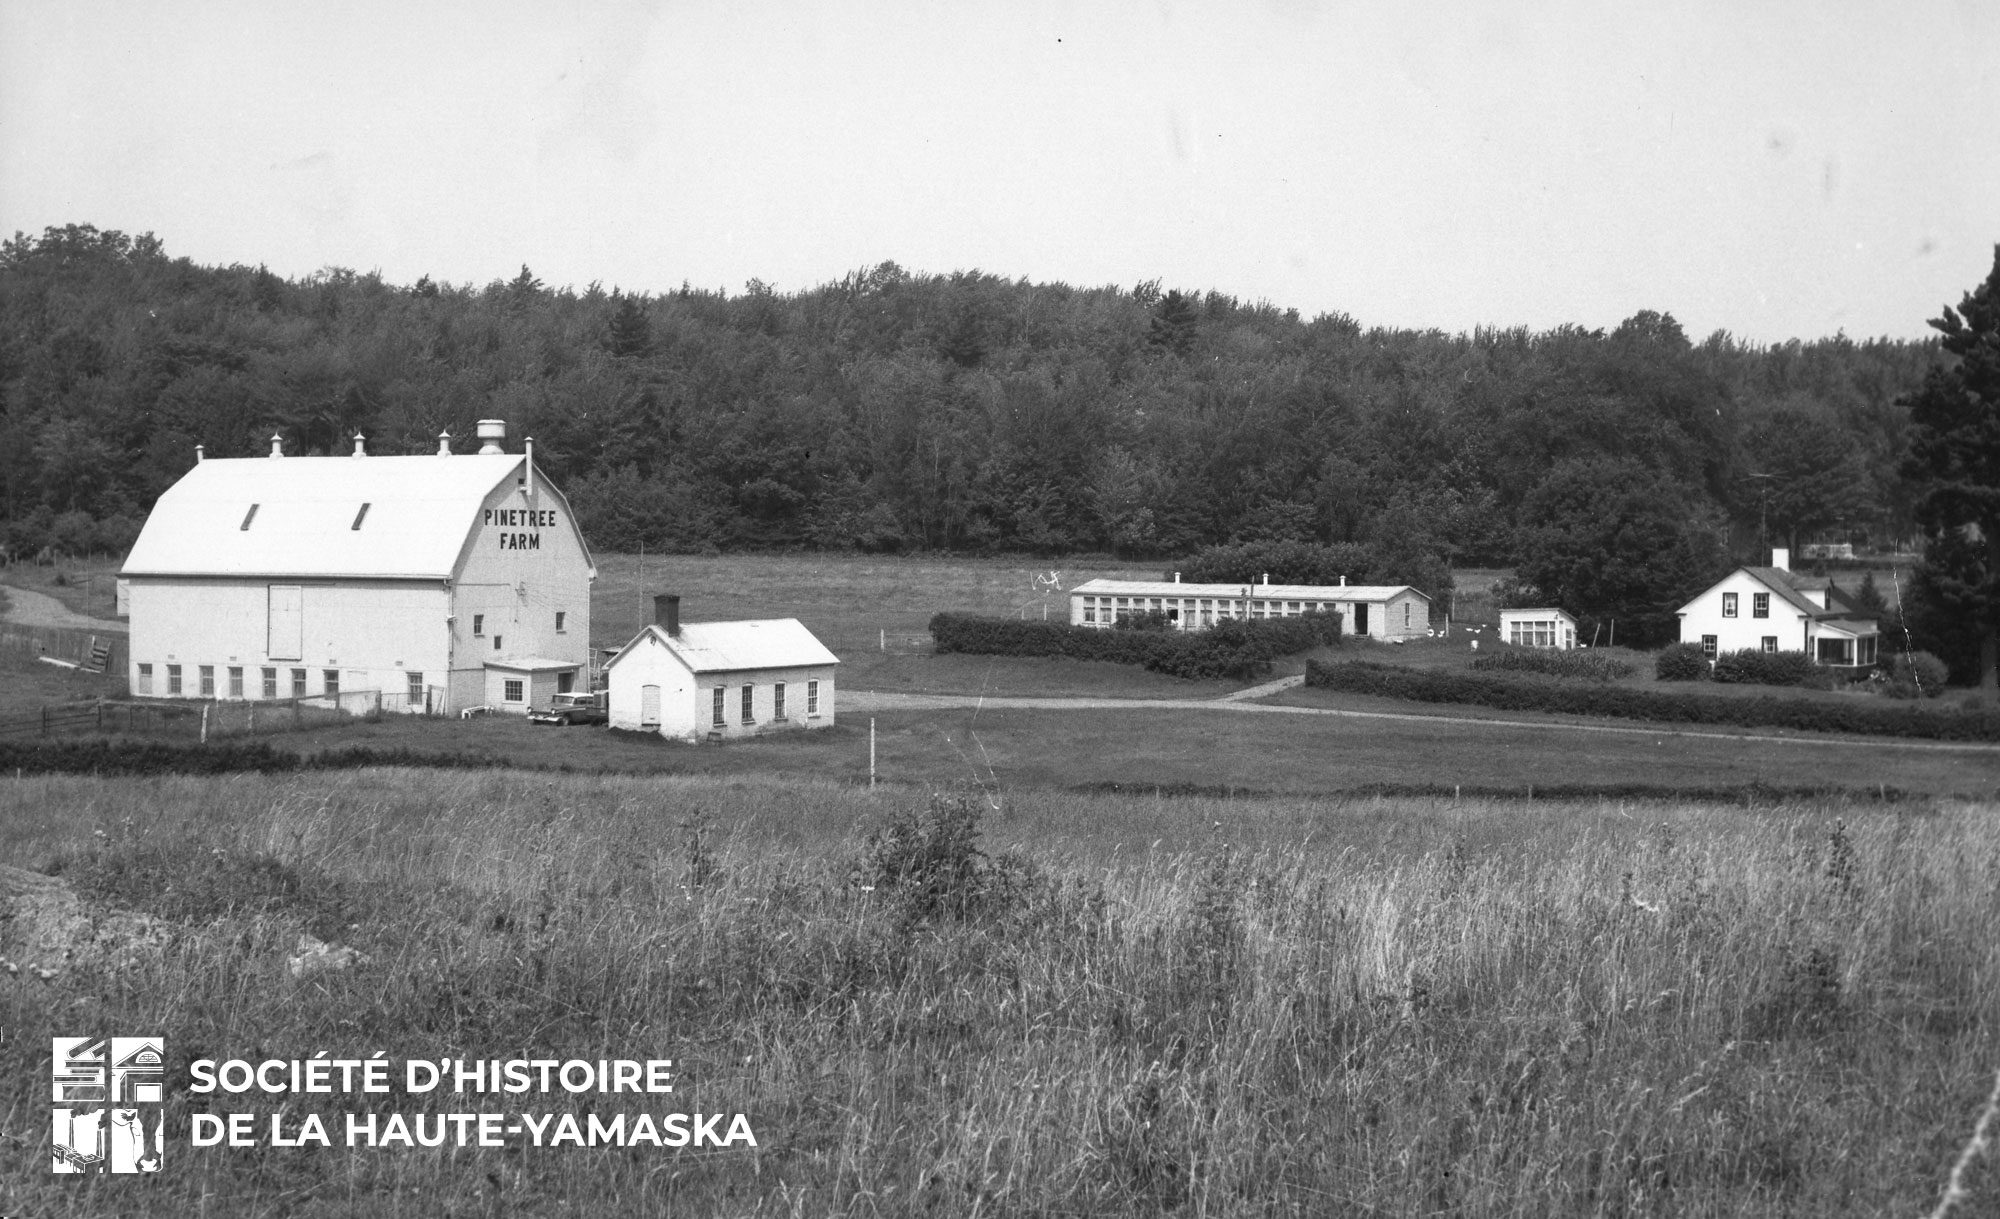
(303, 517)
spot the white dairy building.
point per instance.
(716, 680)
(442, 581)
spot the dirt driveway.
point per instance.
(31, 608)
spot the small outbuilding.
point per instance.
(1538, 628)
(716, 680)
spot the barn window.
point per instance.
(1760, 605)
(236, 681)
(560, 615)
(812, 698)
(1729, 605)
(331, 682)
(145, 679)
(514, 687)
(416, 695)
(479, 624)
(717, 717)
(248, 517)
(298, 683)
(778, 701)
(360, 517)
(496, 642)
(270, 683)
(207, 680)
(173, 681)
(748, 692)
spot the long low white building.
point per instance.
(439, 582)
(1377, 611)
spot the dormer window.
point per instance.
(360, 517)
(248, 517)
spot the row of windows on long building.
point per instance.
(746, 703)
(272, 682)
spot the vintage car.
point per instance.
(567, 709)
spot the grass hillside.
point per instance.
(1068, 1005)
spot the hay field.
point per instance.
(1117, 1005)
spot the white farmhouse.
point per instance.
(444, 581)
(720, 679)
(1392, 611)
(1773, 609)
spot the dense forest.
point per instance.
(967, 412)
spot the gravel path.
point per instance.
(39, 609)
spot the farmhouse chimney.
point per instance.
(277, 445)
(491, 433)
(1781, 559)
(359, 451)
(444, 444)
(667, 613)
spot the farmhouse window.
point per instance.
(1865, 650)
(719, 719)
(145, 679)
(1760, 605)
(560, 615)
(778, 701)
(1708, 646)
(1836, 651)
(1729, 605)
(812, 698)
(1770, 643)
(416, 695)
(207, 681)
(236, 681)
(270, 683)
(514, 688)
(298, 683)
(173, 681)
(330, 682)
(748, 692)
(479, 624)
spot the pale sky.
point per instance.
(1775, 170)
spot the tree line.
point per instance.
(893, 411)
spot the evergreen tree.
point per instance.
(1954, 458)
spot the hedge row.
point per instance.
(1590, 666)
(1233, 648)
(1667, 706)
(1758, 668)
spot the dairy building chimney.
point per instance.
(667, 614)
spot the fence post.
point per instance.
(204, 723)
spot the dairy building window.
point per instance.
(717, 714)
(236, 681)
(145, 679)
(416, 694)
(748, 691)
(270, 683)
(298, 683)
(331, 678)
(812, 698)
(778, 701)
(173, 681)
(514, 687)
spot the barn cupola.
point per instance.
(359, 449)
(444, 444)
(491, 433)
(277, 445)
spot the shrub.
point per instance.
(1143, 620)
(1681, 662)
(1232, 648)
(1752, 667)
(1589, 666)
(1667, 706)
(928, 861)
(1920, 673)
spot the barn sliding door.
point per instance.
(287, 622)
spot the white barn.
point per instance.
(1774, 609)
(716, 680)
(444, 581)
(1377, 611)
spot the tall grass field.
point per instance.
(1032, 1003)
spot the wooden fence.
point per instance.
(203, 720)
(94, 651)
